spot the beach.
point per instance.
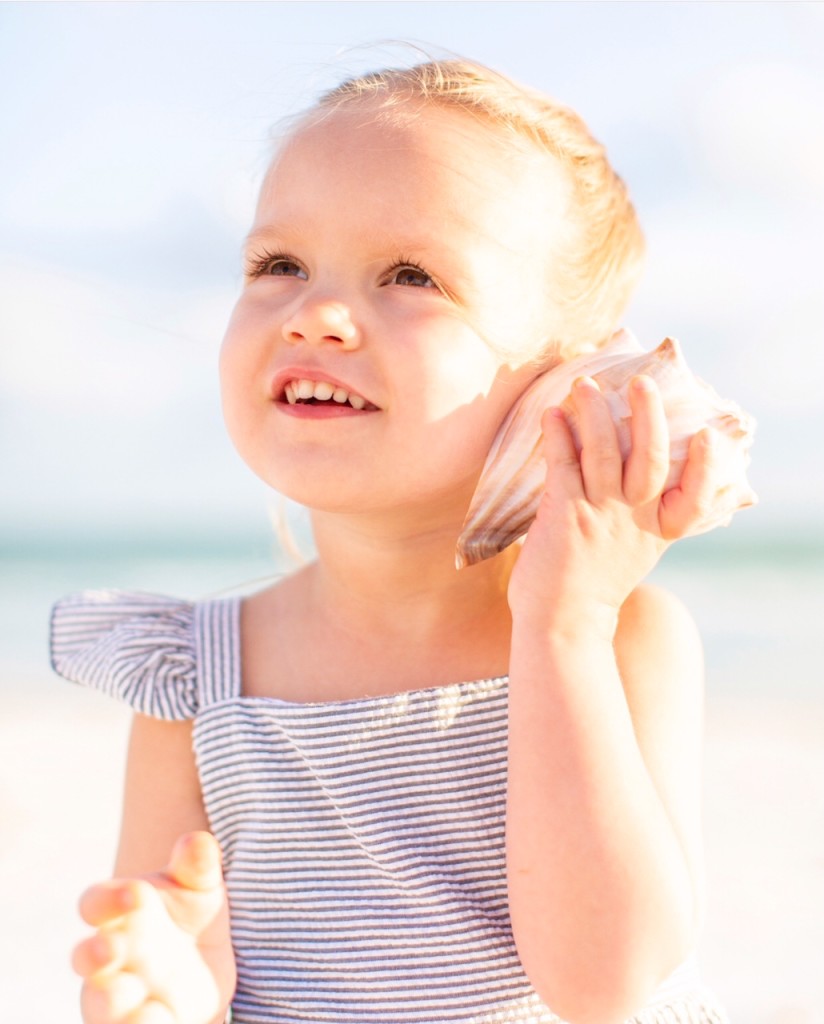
(62, 752)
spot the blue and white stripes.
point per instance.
(135, 647)
(363, 840)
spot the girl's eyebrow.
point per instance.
(259, 235)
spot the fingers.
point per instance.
(195, 862)
(595, 473)
(563, 467)
(153, 1012)
(121, 999)
(113, 991)
(684, 507)
(601, 463)
(104, 903)
(110, 998)
(648, 462)
(108, 907)
(103, 951)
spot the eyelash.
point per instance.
(406, 264)
(257, 264)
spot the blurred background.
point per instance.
(133, 138)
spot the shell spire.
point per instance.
(512, 480)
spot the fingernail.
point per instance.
(586, 382)
(642, 384)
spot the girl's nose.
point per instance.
(322, 321)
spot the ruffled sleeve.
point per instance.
(138, 648)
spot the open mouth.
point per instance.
(322, 392)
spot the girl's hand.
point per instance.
(603, 522)
(162, 952)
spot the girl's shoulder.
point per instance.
(660, 656)
(156, 653)
(656, 629)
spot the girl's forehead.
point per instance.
(426, 142)
(406, 125)
(420, 158)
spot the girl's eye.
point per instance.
(283, 268)
(267, 265)
(412, 276)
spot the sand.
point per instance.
(763, 945)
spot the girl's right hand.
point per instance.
(162, 951)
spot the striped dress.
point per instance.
(363, 840)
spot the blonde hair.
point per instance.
(594, 277)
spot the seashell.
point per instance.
(511, 483)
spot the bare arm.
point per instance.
(603, 829)
(603, 844)
(162, 799)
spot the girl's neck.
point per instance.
(377, 614)
(403, 581)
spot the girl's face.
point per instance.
(358, 370)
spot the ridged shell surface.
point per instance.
(512, 481)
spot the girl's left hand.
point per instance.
(603, 522)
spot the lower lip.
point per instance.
(305, 411)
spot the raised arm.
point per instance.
(603, 839)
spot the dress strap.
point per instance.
(217, 642)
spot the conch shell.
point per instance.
(511, 483)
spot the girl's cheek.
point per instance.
(228, 369)
(243, 343)
(237, 377)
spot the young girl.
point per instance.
(439, 795)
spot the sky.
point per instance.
(134, 137)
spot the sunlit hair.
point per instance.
(593, 278)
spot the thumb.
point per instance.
(195, 862)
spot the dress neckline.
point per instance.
(220, 676)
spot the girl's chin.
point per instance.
(335, 484)
(343, 497)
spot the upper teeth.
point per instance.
(323, 391)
